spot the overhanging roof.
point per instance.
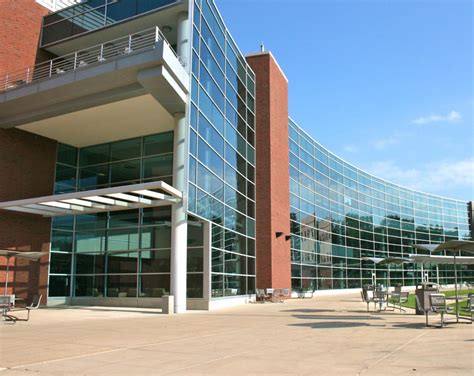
(430, 259)
(33, 256)
(126, 197)
(450, 245)
(386, 260)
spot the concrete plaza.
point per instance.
(326, 335)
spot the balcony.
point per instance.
(94, 21)
(138, 75)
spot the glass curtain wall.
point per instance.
(340, 214)
(124, 253)
(90, 15)
(222, 150)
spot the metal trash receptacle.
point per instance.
(423, 291)
(398, 287)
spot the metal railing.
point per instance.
(98, 54)
(55, 5)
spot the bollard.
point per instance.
(167, 304)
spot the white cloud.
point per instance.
(383, 143)
(451, 117)
(435, 177)
(351, 148)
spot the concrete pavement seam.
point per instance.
(391, 353)
(114, 350)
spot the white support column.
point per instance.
(179, 226)
(183, 45)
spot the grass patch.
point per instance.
(411, 303)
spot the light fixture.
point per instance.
(278, 234)
(287, 237)
(166, 29)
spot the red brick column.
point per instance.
(27, 165)
(20, 29)
(272, 170)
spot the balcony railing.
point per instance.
(88, 15)
(127, 45)
(56, 5)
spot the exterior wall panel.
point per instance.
(20, 28)
(26, 170)
(273, 199)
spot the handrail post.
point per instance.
(27, 74)
(6, 81)
(101, 57)
(50, 68)
(75, 60)
(157, 34)
(130, 43)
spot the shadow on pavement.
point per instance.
(412, 325)
(336, 317)
(106, 309)
(335, 325)
(308, 310)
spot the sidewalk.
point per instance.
(327, 335)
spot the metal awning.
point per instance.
(144, 195)
(431, 259)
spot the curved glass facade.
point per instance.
(341, 214)
(222, 150)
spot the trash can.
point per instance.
(398, 287)
(423, 291)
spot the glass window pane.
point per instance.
(158, 166)
(127, 149)
(155, 261)
(158, 215)
(94, 176)
(194, 286)
(125, 218)
(128, 171)
(61, 241)
(66, 176)
(156, 237)
(91, 221)
(59, 285)
(90, 242)
(195, 234)
(63, 223)
(158, 144)
(60, 263)
(155, 286)
(195, 260)
(120, 240)
(94, 155)
(122, 262)
(90, 264)
(121, 10)
(122, 286)
(89, 286)
(67, 154)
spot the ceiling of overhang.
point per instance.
(128, 118)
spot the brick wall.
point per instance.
(27, 164)
(272, 170)
(20, 29)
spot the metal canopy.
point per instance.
(387, 260)
(28, 255)
(32, 256)
(430, 259)
(126, 197)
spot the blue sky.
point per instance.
(386, 85)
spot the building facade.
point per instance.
(148, 156)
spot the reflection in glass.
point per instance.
(155, 286)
